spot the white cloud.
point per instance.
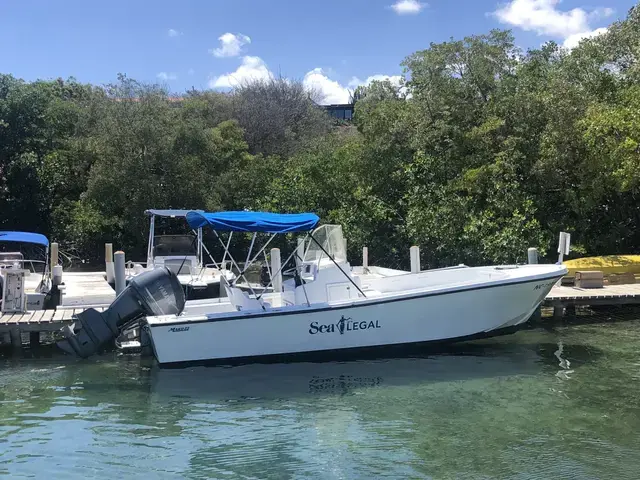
(328, 91)
(394, 79)
(174, 33)
(544, 18)
(573, 40)
(252, 68)
(230, 45)
(167, 76)
(408, 7)
(602, 12)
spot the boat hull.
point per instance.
(428, 317)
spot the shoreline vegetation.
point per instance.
(483, 151)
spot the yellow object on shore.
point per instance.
(608, 264)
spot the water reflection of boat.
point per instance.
(291, 380)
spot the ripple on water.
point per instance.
(554, 403)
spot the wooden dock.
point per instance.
(80, 290)
(609, 295)
(41, 320)
(86, 288)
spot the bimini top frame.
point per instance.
(255, 222)
(153, 213)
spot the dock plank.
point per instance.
(40, 316)
(607, 295)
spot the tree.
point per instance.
(278, 116)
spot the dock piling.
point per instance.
(414, 254)
(34, 339)
(365, 259)
(275, 267)
(119, 272)
(54, 260)
(108, 262)
(16, 338)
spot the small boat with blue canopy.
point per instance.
(327, 308)
(27, 252)
(185, 255)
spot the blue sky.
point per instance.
(332, 45)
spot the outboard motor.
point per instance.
(157, 292)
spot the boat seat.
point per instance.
(242, 301)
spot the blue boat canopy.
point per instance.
(24, 237)
(254, 221)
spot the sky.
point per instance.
(331, 45)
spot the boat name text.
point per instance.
(179, 329)
(343, 325)
(544, 285)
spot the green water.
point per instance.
(556, 402)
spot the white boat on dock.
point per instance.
(34, 271)
(327, 308)
(185, 256)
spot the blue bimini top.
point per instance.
(24, 237)
(242, 221)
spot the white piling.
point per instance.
(56, 277)
(365, 259)
(414, 254)
(532, 255)
(275, 267)
(54, 257)
(108, 262)
(119, 272)
(564, 245)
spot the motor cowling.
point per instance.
(157, 292)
